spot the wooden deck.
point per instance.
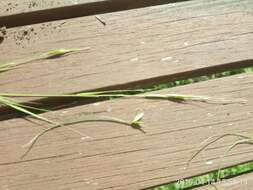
(149, 43)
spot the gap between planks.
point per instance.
(242, 182)
(154, 45)
(119, 157)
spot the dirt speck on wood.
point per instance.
(32, 34)
(24, 35)
(3, 34)
(12, 6)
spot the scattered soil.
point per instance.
(33, 4)
(23, 36)
(11, 6)
(33, 33)
(3, 34)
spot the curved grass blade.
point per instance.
(235, 144)
(135, 123)
(211, 142)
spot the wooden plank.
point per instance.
(118, 157)
(11, 7)
(20, 6)
(32, 12)
(244, 182)
(154, 45)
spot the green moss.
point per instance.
(201, 78)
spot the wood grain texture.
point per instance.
(118, 157)
(136, 47)
(68, 10)
(10, 7)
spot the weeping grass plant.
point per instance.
(6, 99)
(122, 94)
(135, 123)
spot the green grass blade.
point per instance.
(115, 94)
(110, 93)
(56, 53)
(85, 119)
(219, 137)
(21, 108)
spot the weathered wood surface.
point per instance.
(244, 182)
(41, 11)
(136, 47)
(118, 157)
(21, 6)
(152, 45)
